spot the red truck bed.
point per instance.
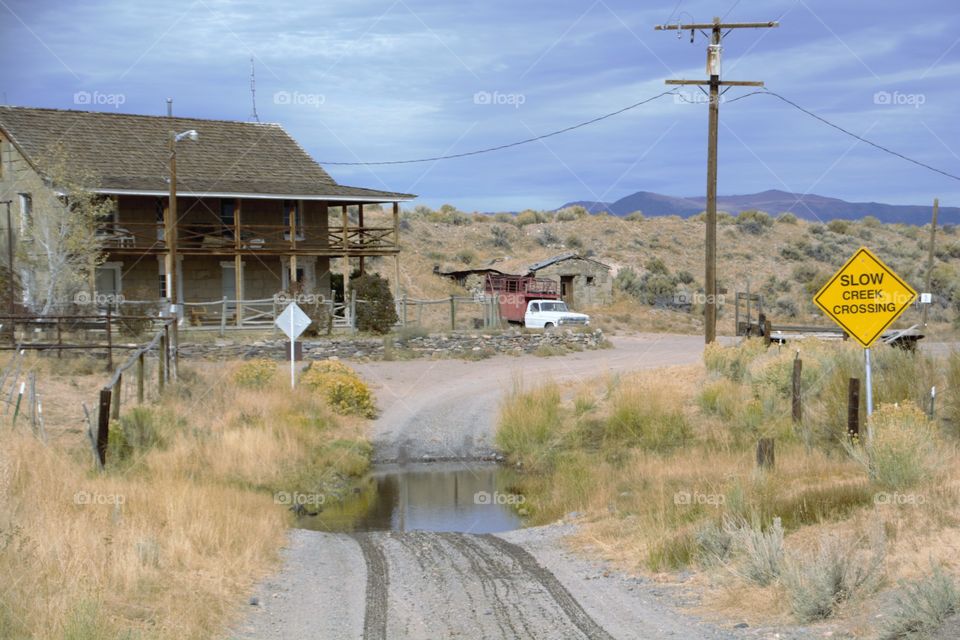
(514, 292)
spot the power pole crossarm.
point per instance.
(716, 30)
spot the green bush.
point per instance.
(759, 552)
(634, 216)
(376, 313)
(501, 237)
(639, 417)
(529, 216)
(341, 387)
(136, 432)
(569, 214)
(787, 218)
(255, 374)
(904, 449)
(839, 226)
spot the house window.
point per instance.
(589, 281)
(228, 210)
(26, 211)
(290, 210)
(162, 290)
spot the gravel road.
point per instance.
(429, 586)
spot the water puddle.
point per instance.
(469, 497)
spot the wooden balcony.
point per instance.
(139, 238)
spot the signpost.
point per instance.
(864, 297)
(293, 321)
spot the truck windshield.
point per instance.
(553, 306)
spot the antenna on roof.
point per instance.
(169, 107)
(253, 91)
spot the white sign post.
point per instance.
(293, 321)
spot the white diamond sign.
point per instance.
(293, 321)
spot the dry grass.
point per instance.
(166, 542)
(653, 509)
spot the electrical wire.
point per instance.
(793, 104)
(511, 144)
(764, 92)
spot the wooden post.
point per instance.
(238, 265)
(162, 362)
(117, 396)
(453, 313)
(765, 453)
(767, 330)
(223, 317)
(353, 310)
(361, 237)
(797, 406)
(103, 426)
(346, 254)
(109, 341)
(853, 408)
(141, 368)
(59, 338)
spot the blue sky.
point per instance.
(396, 79)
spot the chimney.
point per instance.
(169, 107)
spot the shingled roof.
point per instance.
(128, 154)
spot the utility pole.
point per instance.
(717, 30)
(933, 240)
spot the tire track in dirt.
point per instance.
(378, 581)
(563, 598)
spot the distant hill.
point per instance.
(808, 206)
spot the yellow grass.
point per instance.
(166, 543)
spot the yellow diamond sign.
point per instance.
(864, 297)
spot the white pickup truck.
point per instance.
(546, 314)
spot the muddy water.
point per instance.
(460, 497)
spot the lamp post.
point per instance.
(170, 235)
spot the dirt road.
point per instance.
(427, 586)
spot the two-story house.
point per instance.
(256, 215)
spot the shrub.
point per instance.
(255, 374)
(952, 408)
(547, 238)
(904, 450)
(377, 313)
(136, 432)
(501, 237)
(529, 425)
(787, 218)
(759, 552)
(634, 216)
(466, 256)
(804, 273)
(841, 570)
(754, 222)
(922, 607)
(526, 217)
(574, 242)
(341, 387)
(568, 214)
(871, 222)
(685, 277)
(839, 226)
(790, 252)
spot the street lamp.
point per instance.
(170, 235)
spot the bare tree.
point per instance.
(59, 248)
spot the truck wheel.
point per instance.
(548, 326)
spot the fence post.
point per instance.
(117, 392)
(109, 341)
(453, 313)
(103, 426)
(141, 366)
(353, 310)
(161, 364)
(223, 316)
(59, 339)
(765, 453)
(797, 406)
(853, 408)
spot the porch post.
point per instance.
(346, 256)
(396, 244)
(238, 265)
(294, 288)
(360, 231)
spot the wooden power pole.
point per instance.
(715, 30)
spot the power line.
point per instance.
(511, 144)
(793, 104)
